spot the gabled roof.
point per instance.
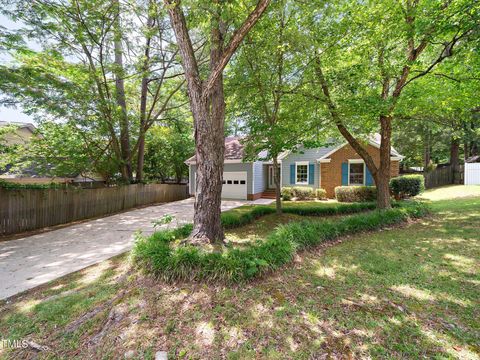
(234, 152)
(374, 141)
(19, 124)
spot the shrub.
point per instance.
(303, 193)
(321, 194)
(17, 186)
(287, 193)
(355, 193)
(157, 256)
(407, 186)
(332, 209)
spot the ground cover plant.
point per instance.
(405, 292)
(246, 214)
(159, 255)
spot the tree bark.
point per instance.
(454, 153)
(143, 99)
(121, 101)
(276, 180)
(382, 179)
(208, 109)
(427, 152)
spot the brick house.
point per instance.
(324, 167)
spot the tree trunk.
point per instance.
(208, 109)
(140, 157)
(427, 152)
(210, 149)
(383, 174)
(126, 167)
(454, 158)
(278, 190)
(454, 153)
(143, 97)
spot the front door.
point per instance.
(271, 181)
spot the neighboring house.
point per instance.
(323, 167)
(23, 134)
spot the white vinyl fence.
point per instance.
(472, 173)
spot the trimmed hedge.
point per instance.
(321, 194)
(233, 219)
(158, 257)
(287, 193)
(303, 193)
(407, 186)
(355, 193)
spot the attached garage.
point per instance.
(234, 185)
(241, 180)
(237, 181)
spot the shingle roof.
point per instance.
(376, 138)
(233, 149)
(19, 124)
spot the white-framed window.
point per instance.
(356, 172)
(301, 171)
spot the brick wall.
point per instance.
(331, 173)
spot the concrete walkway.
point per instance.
(34, 260)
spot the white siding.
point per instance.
(472, 173)
(258, 177)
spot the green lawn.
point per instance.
(408, 292)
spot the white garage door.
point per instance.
(234, 185)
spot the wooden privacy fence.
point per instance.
(30, 209)
(439, 177)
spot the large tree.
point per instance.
(362, 71)
(108, 67)
(263, 79)
(207, 100)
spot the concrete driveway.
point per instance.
(34, 260)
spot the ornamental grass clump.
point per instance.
(163, 255)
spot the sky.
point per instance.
(9, 114)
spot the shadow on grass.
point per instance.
(408, 292)
(38, 314)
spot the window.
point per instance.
(302, 172)
(242, 182)
(356, 172)
(229, 182)
(235, 182)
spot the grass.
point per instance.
(409, 292)
(451, 192)
(159, 254)
(249, 213)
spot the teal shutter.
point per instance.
(311, 174)
(292, 174)
(344, 174)
(369, 177)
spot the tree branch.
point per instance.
(354, 143)
(234, 43)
